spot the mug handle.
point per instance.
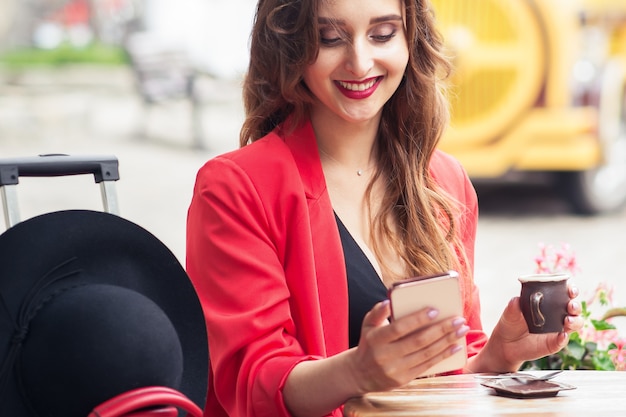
(535, 302)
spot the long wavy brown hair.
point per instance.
(285, 40)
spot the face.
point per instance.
(362, 57)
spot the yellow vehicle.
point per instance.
(539, 86)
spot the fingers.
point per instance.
(573, 291)
(412, 322)
(420, 325)
(428, 344)
(511, 325)
(447, 332)
(425, 350)
(378, 315)
(573, 322)
(513, 311)
(436, 339)
(555, 342)
(574, 308)
(562, 339)
(410, 345)
(436, 353)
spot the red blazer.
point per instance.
(264, 254)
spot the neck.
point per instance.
(347, 147)
(359, 170)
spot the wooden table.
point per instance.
(597, 394)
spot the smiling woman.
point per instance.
(339, 191)
(358, 59)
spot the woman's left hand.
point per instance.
(511, 344)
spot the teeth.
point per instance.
(357, 86)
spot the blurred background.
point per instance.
(538, 103)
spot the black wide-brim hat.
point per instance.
(123, 290)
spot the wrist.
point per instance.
(317, 387)
(353, 379)
(491, 359)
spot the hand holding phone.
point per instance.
(440, 291)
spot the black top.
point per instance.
(365, 287)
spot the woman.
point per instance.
(337, 192)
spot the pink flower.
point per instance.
(602, 294)
(603, 338)
(552, 261)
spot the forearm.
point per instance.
(317, 387)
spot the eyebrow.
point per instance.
(340, 22)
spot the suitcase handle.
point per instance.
(103, 168)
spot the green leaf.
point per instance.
(575, 337)
(602, 362)
(602, 325)
(585, 313)
(603, 296)
(575, 349)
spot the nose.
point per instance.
(360, 59)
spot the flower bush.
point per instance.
(598, 346)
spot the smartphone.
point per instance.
(440, 291)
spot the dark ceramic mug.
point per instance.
(543, 300)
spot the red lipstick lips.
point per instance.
(358, 90)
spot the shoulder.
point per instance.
(267, 151)
(450, 175)
(263, 161)
(445, 165)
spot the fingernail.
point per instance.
(462, 331)
(458, 321)
(575, 291)
(433, 312)
(575, 305)
(456, 348)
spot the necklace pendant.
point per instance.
(359, 172)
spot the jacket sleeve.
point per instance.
(235, 264)
(476, 338)
(450, 175)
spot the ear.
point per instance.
(147, 402)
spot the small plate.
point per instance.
(534, 389)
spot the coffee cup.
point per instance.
(543, 301)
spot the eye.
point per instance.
(331, 36)
(384, 33)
